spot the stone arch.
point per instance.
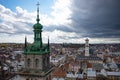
(28, 62)
(48, 60)
(36, 62)
(43, 62)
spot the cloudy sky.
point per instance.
(64, 21)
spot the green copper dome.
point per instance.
(37, 26)
(37, 47)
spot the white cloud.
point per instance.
(15, 25)
(58, 36)
(15, 38)
(25, 16)
(62, 12)
(20, 23)
(11, 23)
(6, 14)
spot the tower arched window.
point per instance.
(36, 62)
(48, 60)
(43, 63)
(28, 62)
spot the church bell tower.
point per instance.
(87, 47)
(36, 55)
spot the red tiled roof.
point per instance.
(89, 65)
(59, 72)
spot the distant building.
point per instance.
(90, 58)
(89, 63)
(87, 47)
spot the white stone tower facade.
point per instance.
(87, 47)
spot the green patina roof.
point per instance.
(36, 53)
(34, 49)
(37, 47)
(37, 26)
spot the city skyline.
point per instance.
(64, 21)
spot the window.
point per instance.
(48, 60)
(36, 62)
(28, 62)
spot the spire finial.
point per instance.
(48, 43)
(38, 13)
(25, 42)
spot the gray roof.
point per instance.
(113, 73)
(97, 66)
(82, 57)
(91, 73)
